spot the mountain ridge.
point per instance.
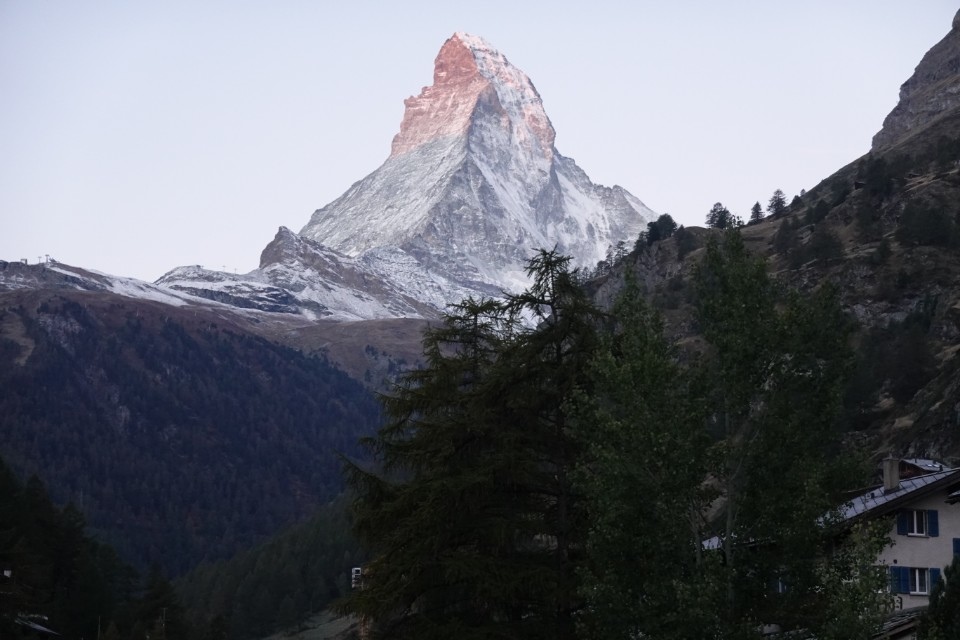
(505, 190)
(884, 231)
(472, 187)
(932, 91)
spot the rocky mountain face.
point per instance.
(473, 185)
(885, 231)
(299, 276)
(932, 92)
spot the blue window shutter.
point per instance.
(956, 546)
(933, 523)
(900, 579)
(903, 523)
(934, 578)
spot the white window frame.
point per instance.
(919, 581)
(917, 524)
(781, 587)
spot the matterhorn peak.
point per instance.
(472, 187)
(469, 74)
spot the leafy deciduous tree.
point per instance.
(774, 374)
(942, 619)
(642, 479)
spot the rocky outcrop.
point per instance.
(469, 75)
(931, 93)
(299, 276)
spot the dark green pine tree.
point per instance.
(470, 517)
(660, 229)
(777, 204)
(159, 610)
(432, 513)
(543, 370)
(756, 213)
(55, 570)
(719, 217)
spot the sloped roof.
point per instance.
(900, 622)
(36, 627)
(894, 626)
(927, 464)
(877, 501)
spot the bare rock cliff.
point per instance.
(932, 92)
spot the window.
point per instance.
(918, 522)
(780, 586)
(918, 580)
(913, 580)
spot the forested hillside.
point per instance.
(571, 478)
(56, 580)
(278, 583)
(884, 231)
(179, 436)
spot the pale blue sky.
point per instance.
(139, 136)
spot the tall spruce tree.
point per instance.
(470, 517)
(431, 514)
(777, 204)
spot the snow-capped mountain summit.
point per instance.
(472, 187)
(474, 184)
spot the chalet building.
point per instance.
(922, 497)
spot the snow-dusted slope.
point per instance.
(472, 187)
(299, 276)
(474, 184)
(55, 275)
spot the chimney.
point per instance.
(891, 474)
